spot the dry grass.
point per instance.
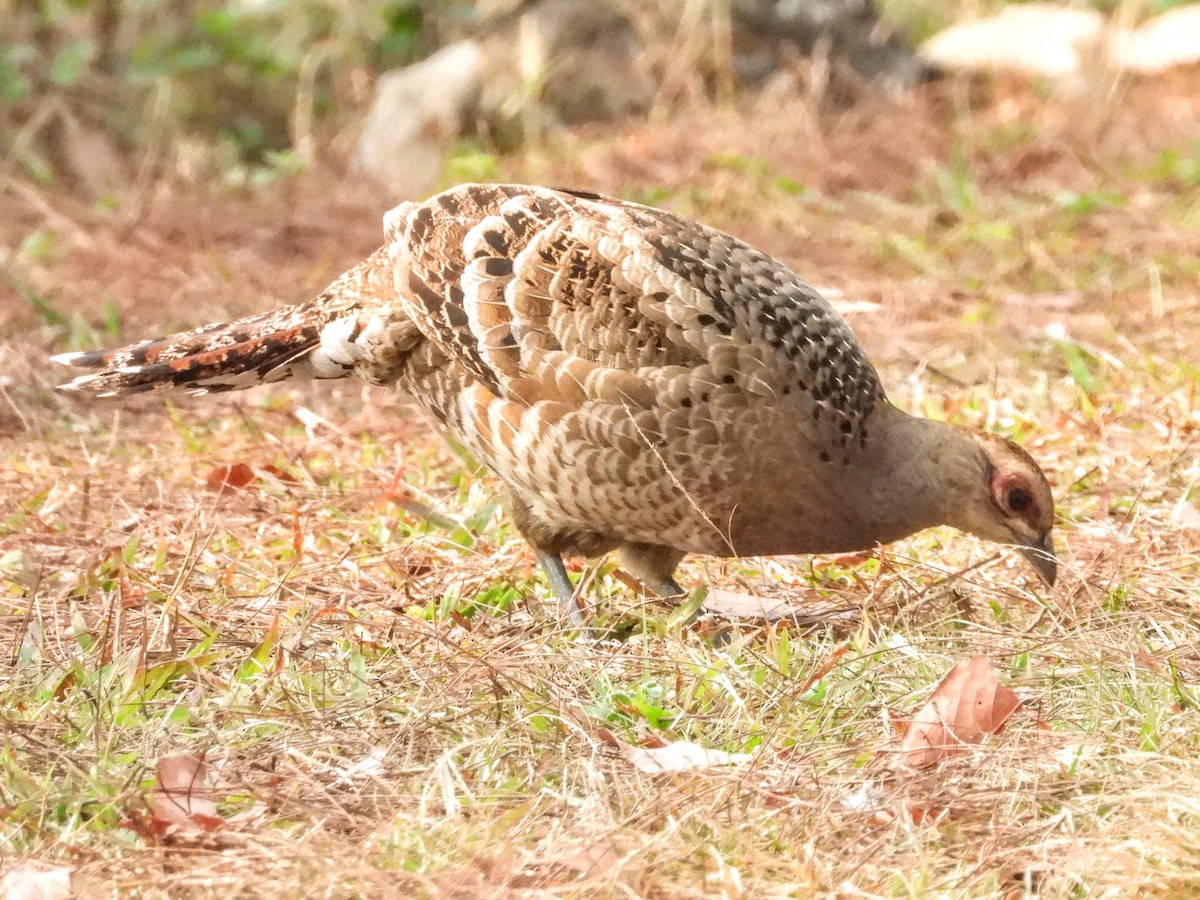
(384, 709)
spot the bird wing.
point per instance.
(571, 296)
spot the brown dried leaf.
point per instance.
(926, 814)
(26, 881)
(236, 477)
(182, 800)
(275, 472)
(968, 705)
(897, 724)
(607, 737)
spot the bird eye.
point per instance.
(1018, 499)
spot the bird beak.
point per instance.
(1041, 554)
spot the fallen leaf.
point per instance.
(235, 477)
(27, 881)
(370, 766)
(895, 723)
(182, 800)
(240, 476)
(736, 605)
(681, 756)
(931, 814)
(968, 705)
(609, 738)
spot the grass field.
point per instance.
(357, 642)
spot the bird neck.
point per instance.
(923, 474)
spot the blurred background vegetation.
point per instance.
(238, 76)
(100, 87)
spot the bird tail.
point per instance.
(313, 340)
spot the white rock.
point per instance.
(1066, 43)
(1032, 38)
(416, 116)
(1165, 41)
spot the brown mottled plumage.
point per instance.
(640, 382)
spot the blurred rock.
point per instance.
(852, 30)
(536, 66)
(1033, 38)
(532, 65)
(417, 114)
(1067, 44)
(1170, 39)
(570, 61)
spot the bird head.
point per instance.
(1013, 505)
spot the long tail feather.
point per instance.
(313, 339)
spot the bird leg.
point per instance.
(548, 545)
(654, 566)
(668, 588)
(556, 573)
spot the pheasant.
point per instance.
(640, 382)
